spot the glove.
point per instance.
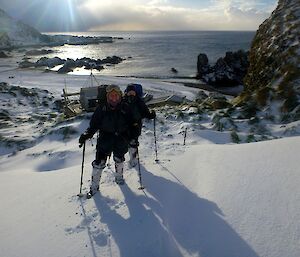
(152, 115)
(83, 138)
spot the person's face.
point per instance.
(113, 98)
(131, 93)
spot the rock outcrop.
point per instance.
(69, 65)
(273, 77)
(228, 71)
(3, 55)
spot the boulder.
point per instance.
(228, 71)
(202, 65)
(3, 55)
(26, 64)
(64, 69)
(39, 52)
(69, 66)
(112, 60)
(174, 70)
(49, 62)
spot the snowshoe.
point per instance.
(119, 180)
(91, 193)
(132, 163)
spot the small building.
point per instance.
(88, 98)
(166, 100)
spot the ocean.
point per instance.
(153, 54)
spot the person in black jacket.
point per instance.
(139, 111)
(113, 120)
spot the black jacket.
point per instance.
(114, 122)
(139, 111)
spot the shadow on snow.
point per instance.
(173, 222)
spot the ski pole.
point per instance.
(139, 167)
(82, 166)
(108, 163)
(184, 136)
(154, 121)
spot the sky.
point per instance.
(126, 15)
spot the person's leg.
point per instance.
(103, 150)
(132, 150)
(98, 167)
(119, 167)
(119, 150)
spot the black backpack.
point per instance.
(101, 97)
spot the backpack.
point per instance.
(139, 90)
(101, 97)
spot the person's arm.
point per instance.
(94, 125)
(146, 113)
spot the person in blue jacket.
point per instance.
(139, 110)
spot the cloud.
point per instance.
(160, 15)
(81, 15)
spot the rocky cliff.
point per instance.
(273, 78)
(16, 33)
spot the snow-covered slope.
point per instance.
(202, 199)
(208, 198)
(16, 33)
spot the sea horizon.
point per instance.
(155, 53)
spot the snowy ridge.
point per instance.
(16, 33)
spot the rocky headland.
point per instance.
(272, 82)
(16, 34)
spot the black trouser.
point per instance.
(135, 132)
(108, 143)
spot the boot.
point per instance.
(96, 176)
(119, 166)
(133, 161)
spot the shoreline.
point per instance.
(188, 82)
(16, 57)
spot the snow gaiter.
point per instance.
(132, 156)
(96, 175)
(119, 166)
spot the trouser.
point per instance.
(119, 167)
(96, 174)
(133, 151)
(108, 144)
